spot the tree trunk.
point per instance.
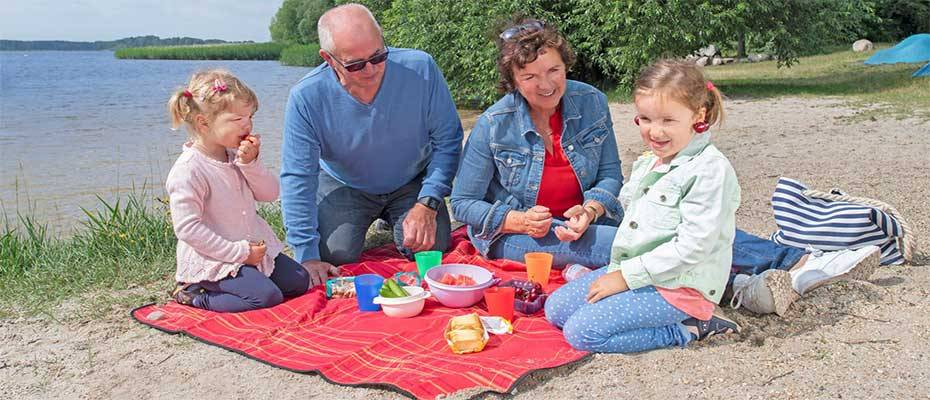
(741, 45)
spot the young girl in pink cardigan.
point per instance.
(228, 258)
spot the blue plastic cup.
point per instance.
(367, 287)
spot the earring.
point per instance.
(636, 120)
(700, 127)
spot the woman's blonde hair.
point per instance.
(684, 82)
(207, 93)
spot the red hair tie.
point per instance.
(187, 94)
(710, 86)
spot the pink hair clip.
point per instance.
(219, 85)
(710, 86)
(187, 93)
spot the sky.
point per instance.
(90, 20)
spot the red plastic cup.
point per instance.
(500, 301)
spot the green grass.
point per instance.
(290, 55)
(301, 56)
(122, 254)
(887, 89)
(882, 88)
(243, 51)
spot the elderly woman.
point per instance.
(540, 171)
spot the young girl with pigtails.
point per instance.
(671, 255)
(228, 258)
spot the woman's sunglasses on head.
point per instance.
(528, 26)
(356, 66)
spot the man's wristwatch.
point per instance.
(430, 202)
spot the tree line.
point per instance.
(135, 41)
(613, 39)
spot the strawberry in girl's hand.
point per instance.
(248, 148)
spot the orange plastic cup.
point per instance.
(538, 267)
(500, 301)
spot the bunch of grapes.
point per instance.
(527, 291)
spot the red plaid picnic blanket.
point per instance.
(310, 334)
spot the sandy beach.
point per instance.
(849, 340)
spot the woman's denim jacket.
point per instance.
(502, 165)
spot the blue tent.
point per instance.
(914, 49)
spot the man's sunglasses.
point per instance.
(356, 66)
(529, 26)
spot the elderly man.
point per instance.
(371, 133)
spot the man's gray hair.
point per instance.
(324, 26)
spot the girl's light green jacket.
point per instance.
(678, 231)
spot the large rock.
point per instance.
(862, 45)
(758, 57)
(702, 61)
(716, 61)
(708, 51)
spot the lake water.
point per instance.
(76, 125)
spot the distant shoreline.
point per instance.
(135, 41)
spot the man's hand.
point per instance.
(607, 285)
(248, 149)
(319, 271)
(579, 218)
(420, 228)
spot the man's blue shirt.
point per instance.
(409, 128)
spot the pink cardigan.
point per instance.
(213, 212)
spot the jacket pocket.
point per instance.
(590, 144)
(662, 203)
(511, 165)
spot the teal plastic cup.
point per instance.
(426, 260)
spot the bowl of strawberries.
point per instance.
(458, 285)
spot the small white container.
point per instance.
(404, 307)
(574, 271)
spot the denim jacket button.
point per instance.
(662, 198)
(633, 225)
(571, 147)
(538, 158)
(712, 291)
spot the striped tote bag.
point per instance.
(834, 221)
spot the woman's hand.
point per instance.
(256, 254)
(534, 222)
(248, 149)
(607, 285)
(579, 218)
(537, 221)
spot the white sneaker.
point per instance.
(834, 266)
(765, 293)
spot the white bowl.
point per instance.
(404, 307)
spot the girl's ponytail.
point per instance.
(713, 105)
(180, 108)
